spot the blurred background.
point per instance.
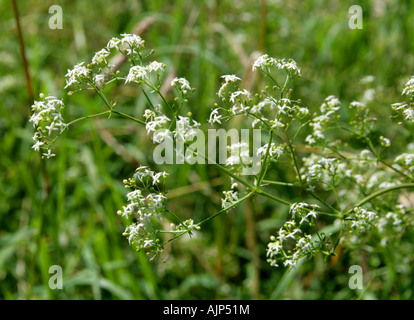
(63, 211)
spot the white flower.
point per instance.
(369, 95)
(385, 142)
(46, 119)
(113, 43)
(149, 114)
(148, 243)
(49, 154)
(227, 80)
(161, 135)
(293, 233)
(230, 78)
(133, 231)
(156, 177)
(238, 94)
(312, 214)
(37, 145)
(230, 197)
(157, 123)
(264, 61)
(182, 84)
(331, 103)
(156, 66)
(99, 80)
(215, 117)
(291, 66)
(409, 114)
(276, 124)
(134, 195)
(132, 40)
(273, 249)
(187, 225)
(137, 74)
(291, 263)
(409, 87)
(100, 57)
(79, 74)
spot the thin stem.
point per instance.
(271, 78)
(102, 96)
(371, 147)
(225, 170)
(265, 164)
(267, 195)
(280, 183)
(234, 204)
(128, 117)
(77, 120)
(148, 99)
(295, 163)
(380, 193)
(22, 51)
(324, 202)
(284, 86)
(179, 234)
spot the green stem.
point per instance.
(280, 183)
(148, 99)
(324, 202)
(267, 195)
(282, 92)
(179, 234)
(128, 117)
(371, 147)
(265, 164)
(295, 162)
(227, 208)
(102, 96)
(77, 120)
(225, 170)
(380, 193)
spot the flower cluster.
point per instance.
(405, 162)
(99, 71)
(265, 110)
(128, 44)
(145, 202)
(187, 226)
(292, 243)
(326, 173)
(406, 109)
(264, 63)
(361, 219)
(140, 74)
(394, 222)
(47, 119)
(335, 174)
(274, 152)
(230, 197)
(321, 123)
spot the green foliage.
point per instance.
(63, 212)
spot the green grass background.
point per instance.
(63, 211)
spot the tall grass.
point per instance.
(63, 212)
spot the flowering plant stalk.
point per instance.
(324, 170)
